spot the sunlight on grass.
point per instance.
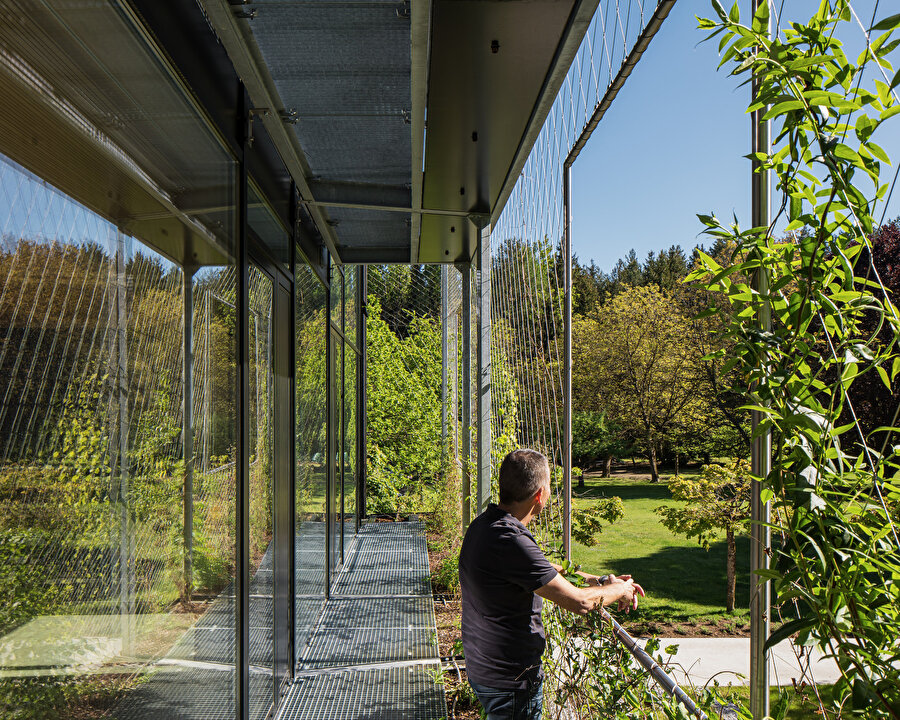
(683, 582)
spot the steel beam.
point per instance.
(483, 451)
(761, 450)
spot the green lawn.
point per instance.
(683, 582)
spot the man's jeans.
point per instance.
(511, 704)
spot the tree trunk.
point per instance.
(706, 458)
(581, 482)
(607, 466)
(654, 471)
(677, 458)
(730, 572)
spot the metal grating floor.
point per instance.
(380, 613)
(376, 694)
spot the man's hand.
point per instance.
(582, 600)
(628, 601)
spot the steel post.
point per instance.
(466, 391)
(761, 455)
(445, 358)
(567, 365)
(483, 451)
(188, 431)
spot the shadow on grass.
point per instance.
(687, 575)
(635, 490)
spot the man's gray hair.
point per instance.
(522, 474)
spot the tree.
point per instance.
(719, 500)
(595, 438)
(638, 361)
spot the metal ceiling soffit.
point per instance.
(575, 31)
(420, 35)
(241, 47)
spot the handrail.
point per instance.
(651, 666)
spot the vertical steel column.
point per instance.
(362, 315)
(483, 451)
(242, 452)
(445, 360)
(293, 238)
(119, 432)
(188, 430)
(567, 364)
(761, 450)
(466, 391)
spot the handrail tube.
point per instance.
(652, 667)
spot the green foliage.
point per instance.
(404, 413)
(588, 523)
(636, 363)
(595, 438)
(838, 551)
(715, 501)
(445, 577)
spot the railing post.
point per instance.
(761, 450)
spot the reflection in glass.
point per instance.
(351, 278)
(262, 485)
(311, 450)
(337, 295)
(108, 604)
(350, 365)
(335, 447)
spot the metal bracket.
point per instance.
(403, 12)
(246, 14)
(289, 116)
(479, 219)
(262, 112)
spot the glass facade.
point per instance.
(117, 536)
(311, 449)
(169, 515)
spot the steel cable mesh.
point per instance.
(527, 278)
(527, 272)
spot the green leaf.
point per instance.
(788, 629)
(882, 373)
(889, 23)
(890, 112)
(735, 14)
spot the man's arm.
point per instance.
(584, 600)
(591, 579)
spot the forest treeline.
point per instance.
(651, 370)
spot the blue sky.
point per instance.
(672, 146)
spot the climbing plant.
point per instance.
(836, 565)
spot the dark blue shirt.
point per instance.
(500, 567)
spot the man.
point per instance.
(503, 575)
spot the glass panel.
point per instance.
(350, 364)
(262, 485)
(337, 295)
(351, 275)
(311, 449)
(335, 445)
(266, 226)
(108, 605)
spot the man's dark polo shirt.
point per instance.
(500, 567)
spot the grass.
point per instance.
(802, 704)
(683, 582)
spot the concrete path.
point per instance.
(698, 660)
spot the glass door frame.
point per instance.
(283, 471)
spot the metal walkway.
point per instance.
(374, 652)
